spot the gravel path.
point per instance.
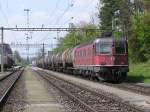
(61, 98)
(38, 98)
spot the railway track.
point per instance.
(132, 87)
(89, 101)
(139, 89)
(143, 90)
(6, 85)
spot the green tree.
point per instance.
(140, 38)
(18, 59)
(106, 13)
(115, 17)
(135, 43)
(74, 38)
(146, 35)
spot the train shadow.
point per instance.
(136, 79)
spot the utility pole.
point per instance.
(58, 35)
(27, 34)
(43, 55)
(2, 50)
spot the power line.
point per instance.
(61, 16)
(53, 12)
(6, 16)
(50, 29)
(45, 37)
(66, 22)
(65, 11)
(31, 45)
(3, 13)
(8, 9)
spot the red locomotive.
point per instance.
(102, 58)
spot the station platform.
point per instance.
(38, 98)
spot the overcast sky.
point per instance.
(51, 13)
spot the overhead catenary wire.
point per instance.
(8, 9)
(10, 14)
(70, 4)
(46, 37)
(53, 12)
(6, 18)
(61, 16)
(3, 13)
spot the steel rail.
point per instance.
(7, 92)
(131, 87)
(87, 107)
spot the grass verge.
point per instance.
(139, 72)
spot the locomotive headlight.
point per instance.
(103, 63)
(122, 63)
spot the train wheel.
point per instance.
(97, 77)
(123, 76)
(90, 75)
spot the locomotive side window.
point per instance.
(120, 47)
(88, 51)
(103, 48)
(76, 54)
(84, 52)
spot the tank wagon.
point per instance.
(8, 56)
(101, 58)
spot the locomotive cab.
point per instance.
(111, 55)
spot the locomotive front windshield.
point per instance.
(104, 48)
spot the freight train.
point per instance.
(8, 56)
(102, 58)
